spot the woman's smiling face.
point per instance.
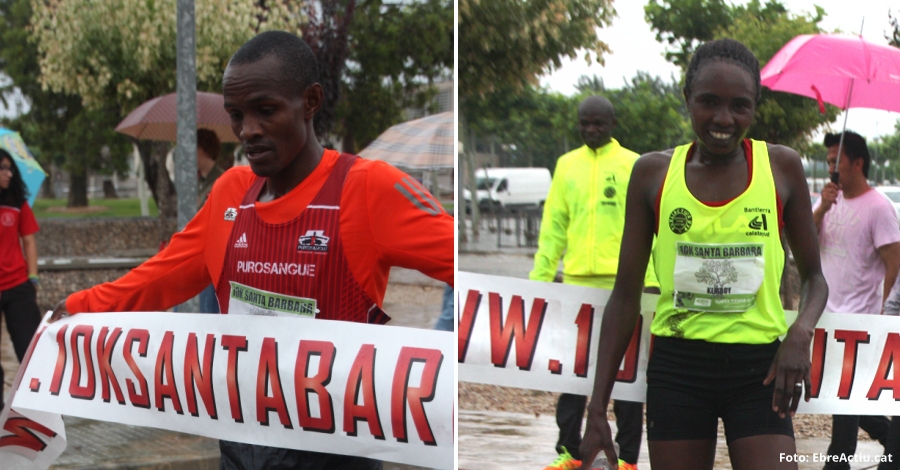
(722, 103)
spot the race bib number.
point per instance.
(718, 278)
(246, 300)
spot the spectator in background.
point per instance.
(860, 248)
(208, 149)
(584, 216)
(18, 274)
(447, 321)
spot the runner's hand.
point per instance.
(597, 438)
(59, 312)
(790, 368)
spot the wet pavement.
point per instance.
(412, 300)
(513, 441)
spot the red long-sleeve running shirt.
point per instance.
(387, 219)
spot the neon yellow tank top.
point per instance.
(720, 268)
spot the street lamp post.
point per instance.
(186, 150)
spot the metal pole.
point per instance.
(186, 151)
(835, 176)
(141, 183)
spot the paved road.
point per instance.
(514, 441)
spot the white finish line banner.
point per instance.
(544, 336)
(347, 388)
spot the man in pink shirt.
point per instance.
(859, 240)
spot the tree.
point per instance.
(887, 151)
(816, 154)
(414, 46)
(764, 28)
(530, 127)
(327, 33)
(685, 24)
(894, 38)
(644, 99)
(533, 127)
(116, 54)
(57, 128)
(511, 42)
(507, 44)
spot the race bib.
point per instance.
(718, 278)
(246, 300)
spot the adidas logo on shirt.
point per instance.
(241, 242)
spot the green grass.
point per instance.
(56, 208)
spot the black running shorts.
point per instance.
(691, 384)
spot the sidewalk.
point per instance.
(412, 300)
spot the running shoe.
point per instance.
(623, 465)
(565, 461)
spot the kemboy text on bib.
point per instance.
(718, 278)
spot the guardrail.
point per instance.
(521, 224)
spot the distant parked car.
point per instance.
(892, 193)
(511, 188)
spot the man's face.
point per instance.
(846, 167)
(596, 126)
(267, 114)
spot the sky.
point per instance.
(634, 48)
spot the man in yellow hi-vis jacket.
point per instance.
(584, 216)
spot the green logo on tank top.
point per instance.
(680, 221)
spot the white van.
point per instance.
(510, 188)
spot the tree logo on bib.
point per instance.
(609, 192)
(314, 240)
(680, 221)
(717, 274)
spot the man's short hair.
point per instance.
(209, 141)
(298, 63)
(854, 147)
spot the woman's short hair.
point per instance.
(728, 50)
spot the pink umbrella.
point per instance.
(156, 119)
(846, 71)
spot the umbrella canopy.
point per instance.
(30, 170)
(157, 119)
(846, 71)
(422, 144)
